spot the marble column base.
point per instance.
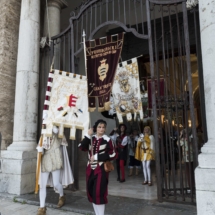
(18, 170)
(22, 146)
(205, 184)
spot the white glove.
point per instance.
(40, 149)
(55, 129)
(141, 137)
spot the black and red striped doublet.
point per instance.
(96, 177)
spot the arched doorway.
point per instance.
(162, 29)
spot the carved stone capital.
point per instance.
(61, 4)
(192, 3)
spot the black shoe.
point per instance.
(121, 181)
(118, 179)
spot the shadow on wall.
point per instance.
(5, 140)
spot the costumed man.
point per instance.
(145, 153)
(55, 161)
(121, 141)
(132, 144)
(185, 141)
(100, 150)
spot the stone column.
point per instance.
(19, 160)
(26, 96)
(9, 30)
(54, 9)
(53, 27)
(205, 173)
(52, 14)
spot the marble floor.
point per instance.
(132, 187)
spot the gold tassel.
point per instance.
(91, 109)
(101, 109)
(107, 105)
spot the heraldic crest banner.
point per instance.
(65, 104)
(126, 91)
(102, 60)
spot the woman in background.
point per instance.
(121, 140)
(132, 144)
(145, 153)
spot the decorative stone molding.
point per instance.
(205, 172)
(60, 4)
(192, 3)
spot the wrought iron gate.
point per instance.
(173, 103)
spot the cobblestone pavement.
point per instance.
(77, 203)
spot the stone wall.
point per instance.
(9, 27)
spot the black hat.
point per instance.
(98, 122)
(121, 126)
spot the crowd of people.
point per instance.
(137, 149)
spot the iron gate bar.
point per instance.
(168, 107)
(119, 9)
(124, 11)
(174, 87)
(142, 18)
(165, 93)
(129, 12)
(113, 11)
(185, 112)
(190, 94)
(165, 75)
(96, 7)
(135, 9)
(181, 84)
(186, 30)
(106, 10)
(160, 158)
(159, 190)
(77, 33)
(166, 2)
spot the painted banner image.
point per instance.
(126, 91)
(66, 104)
(102, 61)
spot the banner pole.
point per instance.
(85, 62)
(85, 54)
(39, 157)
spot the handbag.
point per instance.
(108, 166)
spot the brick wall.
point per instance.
(9, 26)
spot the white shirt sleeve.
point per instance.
(114, 136)
(96, 157)
(87, 135)
(152, 144)
(124, 141)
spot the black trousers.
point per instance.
(97, 185)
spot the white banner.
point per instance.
(66, 104)
(126, 91)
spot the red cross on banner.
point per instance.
(72, 100)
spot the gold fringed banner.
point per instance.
(126, 91)
(102, 60)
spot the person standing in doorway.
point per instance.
(100, 149)
(187, 152)
(132, 143)
(145, 153)
(121, 141)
